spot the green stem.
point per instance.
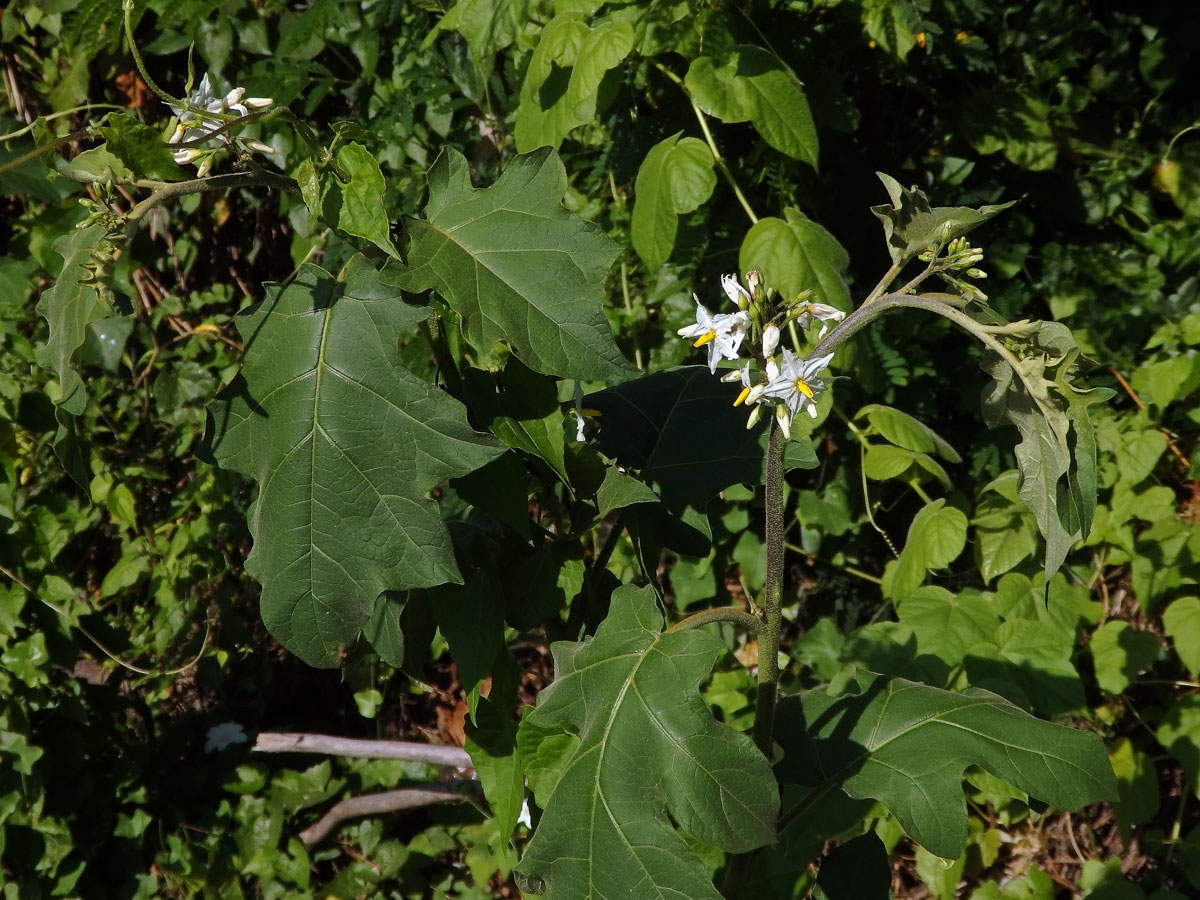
(718, 159)
(137, 58)
(58, 115)
(168, 190)
(747, 620)
(46, 148)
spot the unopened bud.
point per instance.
(754, 417)
(976, 273)
(205, 167)
(770, 340)
(258, 146)
(732, 375)
(257, 102)
(753, 281)
(783, 416)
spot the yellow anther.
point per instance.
(705, 338)
(742, 396)
(804, 388)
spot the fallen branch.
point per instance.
(289, 742)
(376, 804)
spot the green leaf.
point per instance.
(362, 213)
(620, 490)
(521, 408)
(141, 148)
(1120, 653)
(98, 166)
(752, 84)
(947, 625)
(912, 226)
(1058, 481)
(905, 431)
(1181, 620)
(382, 631)
(681, 431)
(675, 177)
(935, 539)
(908, 745)
(344, 443)
(69, 307)
(1004, 535)
(1180, 735)
(795, 254)
(492, 745)
(561, 87)
(488, 26)
(471, 617)
(649, 753)
(857, 870)
(517, 266)
(892, 25)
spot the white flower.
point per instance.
(221, 736)
(723, 333)
(822, 311)
(581, 414)
(796, 385)
(737, 294)
(195, 125)
(770, 340)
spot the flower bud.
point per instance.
(258, 102)
(976, 273)
(753, 281)
(754, 417)
(770, 340)
(783, 416)
(258, 146)
(205, 167)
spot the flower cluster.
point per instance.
(790, 384)
(205, 114)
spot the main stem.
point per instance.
(768, 631)
(772, 607)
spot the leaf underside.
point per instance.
(344, 443)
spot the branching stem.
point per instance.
(749, 621)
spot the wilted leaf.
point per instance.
(649, 754)
(517, 266)
(344, 443)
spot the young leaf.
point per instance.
(904, 431)
(675, 177)
(649, 753)
(517, 266)
(796, 254)
(681, 430)
(561, 86)
(908, 744)
(344, 444)
(935, 539)
(362, 213)
(912, 226)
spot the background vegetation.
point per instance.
(128, 629)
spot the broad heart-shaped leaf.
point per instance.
(562, 84)
(649, 753)
(1181, 620)
(749, 83)
(680, 430)
(796, 254)
(517, 266)
(935, 539)
(907, 745)
(911, 225)
(675, 177)
(344, 444)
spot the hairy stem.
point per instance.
(168, 190)
(749, 621)
(141, 66)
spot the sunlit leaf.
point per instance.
(649, 756)
(796, 254)
(344, 443)
(675, 177)
(517, 266)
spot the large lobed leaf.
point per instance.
(908, 744)
(517, 266)
(344, 444)
(634, 747)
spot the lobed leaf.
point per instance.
(911, 226)
(647, 753)
(907, 745)
(345, 444)
(517, 266)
